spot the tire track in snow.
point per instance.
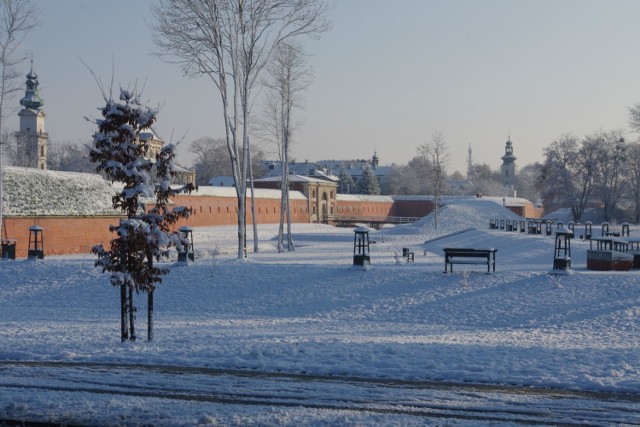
(428, 399)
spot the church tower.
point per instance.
(32, 139)
(508, 168)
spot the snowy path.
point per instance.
(402, 401)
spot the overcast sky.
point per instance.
(387, 75)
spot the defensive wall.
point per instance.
(75, 212)
(62, 235)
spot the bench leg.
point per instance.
(450, 267)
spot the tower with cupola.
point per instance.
(32, 138)
(508, 168)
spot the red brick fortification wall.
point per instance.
(415, 208)
(211, 211)
(77, 235)
(61, 235)
(363, 208)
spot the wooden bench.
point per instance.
(408, 255)
(469, 256)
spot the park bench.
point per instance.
(408, 255)
(469, 256)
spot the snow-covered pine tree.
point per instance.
(346, 184)
(120, 148)
(368, 183)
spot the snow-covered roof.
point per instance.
(181, 169)
(262, 193)
(292, 178)
(30, 191)
(363, 198)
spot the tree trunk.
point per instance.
(290, 244)
(283, 200)
(132, 317)
(124, 326)
(150, 316)
(2, 145)
(253, 206)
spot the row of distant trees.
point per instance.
(601, 170)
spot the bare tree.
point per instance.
(288, 77)
(526, 181)
(633, 177)
(611, 177)
(568, 173)
(17, 19)
(231, 41)
(212, 159)
(484, 180)
(634, 117)
(68, 156)
(436, 154)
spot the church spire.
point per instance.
(469, 163)
(31, 98)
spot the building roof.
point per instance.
(293, 178)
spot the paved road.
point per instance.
(431, 400)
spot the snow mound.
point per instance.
(458, 214)
(29, 191)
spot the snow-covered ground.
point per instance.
(311, 312)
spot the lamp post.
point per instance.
(562, 251)
(361, 247)
(36, 242)
(186, 254)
